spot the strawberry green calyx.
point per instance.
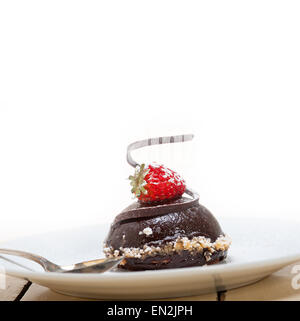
(156, 183)
(137, 181)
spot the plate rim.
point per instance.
(230, 267)
(203, 270)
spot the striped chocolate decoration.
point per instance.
(155, 141)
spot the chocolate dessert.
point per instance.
(164, 229)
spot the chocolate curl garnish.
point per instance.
(158, 210)
(155, 141)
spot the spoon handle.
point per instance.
(47, 265)
(93, 266)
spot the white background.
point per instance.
(79, 80)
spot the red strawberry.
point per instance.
(155, 183)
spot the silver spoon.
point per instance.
(93, 266)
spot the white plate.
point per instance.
(260, 247)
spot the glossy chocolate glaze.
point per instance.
(178, 221)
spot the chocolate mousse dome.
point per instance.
(182, 236)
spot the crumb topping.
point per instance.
(195, 245)
(147, 231)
